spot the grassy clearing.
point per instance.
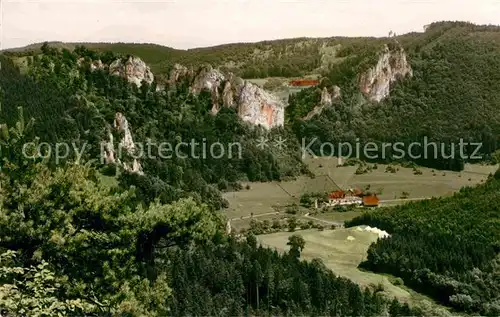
(270, 197)
(108, 181)
(285, 91)
(343, 256)
(338, 253)
(339, 216)
(390, 186)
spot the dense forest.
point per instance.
(452, 95)
(279, 58)
(84, 238)
(77, 105)
(72, 244)
(447, 248)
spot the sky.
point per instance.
(194, 23)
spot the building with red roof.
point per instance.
(371, 201)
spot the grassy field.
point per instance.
(267, 198)
(339, 216)
(343, 256)
(390, 186)
(285, 91)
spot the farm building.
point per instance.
(371, 201)
(345, 198)
(304, 82)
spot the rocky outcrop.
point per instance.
(133, 69)
(327, 98)
(208, 78)
(258, 107)
(126, 146)
(336, 94)
(108, 150)
(391, 66)
(329, 95)
(254, 104)
(317, 110)
(94, 65)
(121, 125)
(178, 71)
(228, 95)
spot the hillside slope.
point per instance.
(281, 58)
(447, 248)
(151, 244)
(443, 86)
(77, 103)
(452, 94)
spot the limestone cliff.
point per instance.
(329, 95)
(228, 95)
(177, 72)
(126, 146)
(208, 78)
(327, 98)
(254, 104)
(133, 69)
(94, 65)
(257, 106)
(97, 65)
(391, 66)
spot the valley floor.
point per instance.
(267, 201)
(342, 250)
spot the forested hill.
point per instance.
(290, 57)
(75, 104)
(447, 248)
(449, 90)
(275, 58)
(150, 244)
(451, 94)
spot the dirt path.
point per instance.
(336, 223)
(255, 216)
(403, 200)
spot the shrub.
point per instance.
(292, 210)
(398, 281)
(109, 170)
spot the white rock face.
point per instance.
(336, 92)
(228, 95)
(208, 78)
(254, 104)
(134, 70)
(126, 144)
(257, 106)
(97, 65)
(94, 65)
(327, 99)
(391, 66)
(121, 125)
(178, 71)
(108, 149)
(317, 110)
